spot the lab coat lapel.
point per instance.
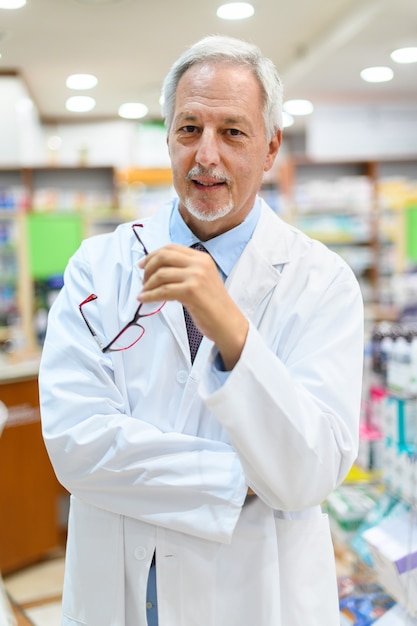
(155, 234)
(259, 268)
(255, 274)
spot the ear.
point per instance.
(273, 149)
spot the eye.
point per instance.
(234, 132)
(188, 129)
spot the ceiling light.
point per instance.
(235, 11)
(287, 120)
(298, 107)
(12, 4)
(80, 104)
(133, 110)
(377, 74)
(81, 81)
(405, 55)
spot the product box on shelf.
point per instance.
(396, 616)
(370, 448)
(386, 506)
(399, 471)
(361, 602)
(347, 506)
(393, 546)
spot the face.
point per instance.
(218, 146)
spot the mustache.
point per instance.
(197, 171)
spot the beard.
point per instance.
(208, 214)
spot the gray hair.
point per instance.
(217, 48)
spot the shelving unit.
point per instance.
(8, 270)
(335, 203)
(353, 207)
(44, 214)
(397, 207)
(142, 191)
(386, 540)
(343, 205)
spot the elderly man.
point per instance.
(199, 464)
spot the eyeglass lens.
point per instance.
(127, 337)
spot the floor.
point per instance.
(35, 592)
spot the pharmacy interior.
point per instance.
(346, 175)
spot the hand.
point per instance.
(191, 277)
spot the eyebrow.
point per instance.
(190, 117)
(185, 117)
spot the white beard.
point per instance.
(205, 215)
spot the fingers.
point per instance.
(191, 277)
(176, 273)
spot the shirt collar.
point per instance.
(226, 248)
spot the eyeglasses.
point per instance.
(133, 331)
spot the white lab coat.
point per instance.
(158, 454)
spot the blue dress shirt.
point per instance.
(226, 248)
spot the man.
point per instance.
(214, 469)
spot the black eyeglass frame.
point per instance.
(133, 322)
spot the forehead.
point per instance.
(219, 85)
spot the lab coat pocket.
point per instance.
(307, 572)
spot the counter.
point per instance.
(29, 490)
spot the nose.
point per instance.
(208, 150)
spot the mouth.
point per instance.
(206, 180)
(207, 184)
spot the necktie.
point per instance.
(194, 335)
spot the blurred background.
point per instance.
(83, 148)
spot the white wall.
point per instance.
(349, 131)
(120, 143)
(362, 131)
(24, 140)
(21, 134)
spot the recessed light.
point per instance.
(80, 104)
(133, 110)
(298, 107)
(377, 74)
(405, 55)
(81, 81)
(12, 4)
(235, 11)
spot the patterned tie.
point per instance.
(194, 335)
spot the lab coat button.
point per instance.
(140, 553)
(182, 376)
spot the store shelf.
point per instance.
(45, 212)
(358, 209)
(42, 213)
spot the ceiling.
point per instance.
(319, 48)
